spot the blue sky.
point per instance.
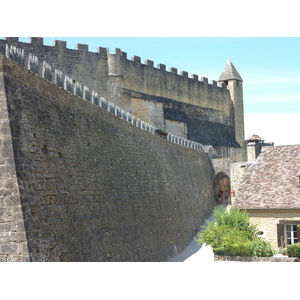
(269, 66)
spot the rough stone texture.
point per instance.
(13, 244)
(89, 68)
(94, 187)
(267, 220)
(204, 125)
(237, 171)
(176, 127)
(212, 117)
(149, 111)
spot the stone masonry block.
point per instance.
(18, 258)
(9, 248)
(36, 40)
(82, 47)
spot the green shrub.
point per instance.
(294, 250)
(225, 240)
(232, 234)
(259, 247)
(235, 218)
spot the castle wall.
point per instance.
(88, 68)
(206, 107)
(147, 79)
(13, 243)
(203, 104)
(150, 111)
(92, 186)
(179, 128)
(95, 69)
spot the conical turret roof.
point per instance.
(230, 73)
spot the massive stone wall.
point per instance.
(158, 82)
(93, 187)
(13, 244)
(89, 68)
(94, 69)
(198, 110)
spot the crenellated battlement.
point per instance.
(38, 41)
(194, 107)
(119, 54)
(67, 83)
(177, 83)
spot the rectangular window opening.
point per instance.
(291, 234)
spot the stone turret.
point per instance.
(234, 82)
(230, 73)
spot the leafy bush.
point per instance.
(235, 218)
(225, 240)
(259, 247)
(294, 250)
(232, 234)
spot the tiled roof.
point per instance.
(271, 181)
(230, 73)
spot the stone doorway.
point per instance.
(221, 187)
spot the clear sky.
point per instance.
(269, 66)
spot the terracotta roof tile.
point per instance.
(272, 181)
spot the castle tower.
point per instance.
(234, 82)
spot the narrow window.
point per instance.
(291, 234)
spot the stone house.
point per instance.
(270, 192)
